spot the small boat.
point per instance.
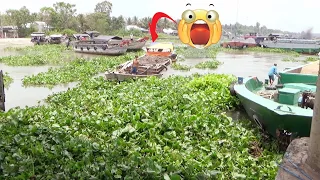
(298, 45)
(156, 59)
(286, 107)
(240, 43)
(99, 47)
(56, 39)
(38, 38)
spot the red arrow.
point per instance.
(153, 24)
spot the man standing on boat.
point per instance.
(273, 71)
(131, 37)
(135, 65)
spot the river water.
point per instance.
(239, 64)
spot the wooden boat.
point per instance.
(298, 45)
(277, 109)
(240, 43)
(122, 76)
(156, 59)
(38, 38)
(134, 45)
(98, 47)
(56, 39)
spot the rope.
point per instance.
(290, 172)
(296, 167)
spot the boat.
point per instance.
(156, 59)
(298, 45)
(132, 45)
(135, 44)
(102, 47)
(276, 109)
(239, 43)
(38, 38)
(55, 39)
(78, 37)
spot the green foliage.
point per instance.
(144, 129)
(182, 67)
(266, 50)
(312, 59)
(37, 55)
(290, 58)
(69, 32)
(76, 70)
(189, 52)
(212, 64)
(7, 80)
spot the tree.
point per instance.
(129, 21)
(135, 20)
(20, 18)
(313, 159)
(144, 22)
(104, 7)
(98, 22)
(46, 15)
(258, 27)
(64, 16)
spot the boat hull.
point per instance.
(271, 116)
(121, 76)
(99, 50)
(299, 48)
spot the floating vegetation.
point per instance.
(211, 64)
(154, 128)
(7, 80)
(181, 67)
(37, 55)
(76, 70)
(266, 50)
(312, 59)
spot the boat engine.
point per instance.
(231, 89)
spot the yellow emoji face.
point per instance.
(200, 27)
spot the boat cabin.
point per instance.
(92, 34)
(79, 37)
(102, 39)
(38, 36)
(160, 49)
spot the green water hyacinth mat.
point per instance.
(145, 129)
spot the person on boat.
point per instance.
(131, 37)
(273, 71)
(135, 65)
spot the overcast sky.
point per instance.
(291, 15)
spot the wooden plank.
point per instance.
(2, 94)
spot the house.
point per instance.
(134, 27)
(9, 32)
(39, 25)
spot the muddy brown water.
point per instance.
(239, 64)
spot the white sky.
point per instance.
(291, 15)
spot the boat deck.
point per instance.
(274, 93)
(312, 68)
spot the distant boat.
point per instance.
(298, 45)
(240, 43)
